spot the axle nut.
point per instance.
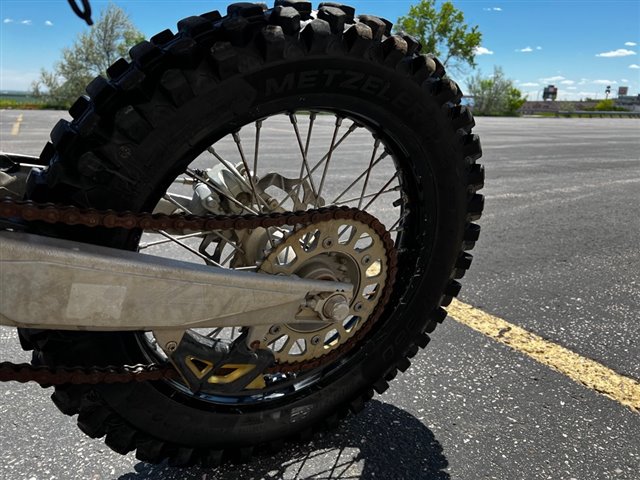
(336, 308)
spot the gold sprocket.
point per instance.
(344, 250)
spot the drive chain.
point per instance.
(73, 216)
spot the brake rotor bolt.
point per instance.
(366, 260)
(327, 243)
(315, 340)
(171, 346)
(358, 307)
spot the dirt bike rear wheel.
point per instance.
(139, 130)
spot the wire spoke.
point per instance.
(371, 195)
(184, 181)
(329, 155)
(170, 199)
(256, 149)
(396, 226)
(376, 145)
(380, 158)
(219, 191)
(190, 249)
(231, 168)
(260, 202)
(240, 178)
(215, 332)
(312, 120)
(144, 246)
(354, 126)
(383, 190)
(305, 163)
(258, 199)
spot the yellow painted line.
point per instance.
(16, 126)
(587, 372)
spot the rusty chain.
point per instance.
(74, 216)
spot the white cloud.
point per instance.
(621, 52)
(583, 81)
(525, 50)
(538, 48)
(630, 44)
(8, 20)
(530, 84)
(48, 23)
(572, 88)
(604, 82)
(567, 82)
(493, 9)
(482, 51)
(587, 94)
(26, 22)
(557, 78)
(634, 66)
(624, 80)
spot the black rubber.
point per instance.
(126, 143)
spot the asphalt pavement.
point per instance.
(559, 255)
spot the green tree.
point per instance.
(608, 105)
(494, 95)
(90, 55)
(442, 32)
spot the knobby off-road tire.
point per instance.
(140, 127)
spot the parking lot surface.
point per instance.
(559, 256)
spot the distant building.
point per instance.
(550, 93)
(629, 102)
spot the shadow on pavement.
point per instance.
(381, 442)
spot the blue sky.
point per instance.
(580, 46)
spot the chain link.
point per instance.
(70, 215)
